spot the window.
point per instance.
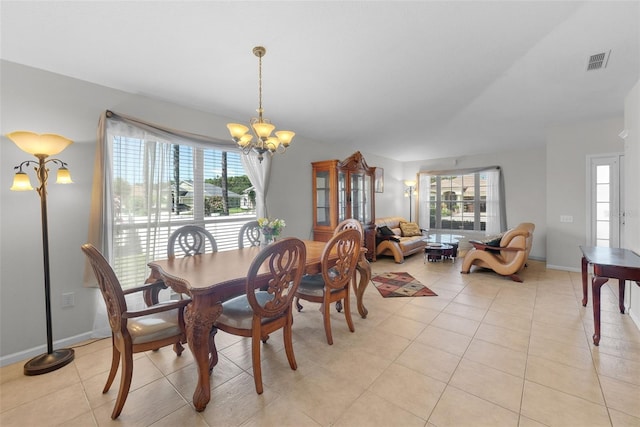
(157, 184)
(462, 200)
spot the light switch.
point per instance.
(566, 218)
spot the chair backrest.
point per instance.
(249, 232)
(192, 240)
(346, 245)
(109, 287)
(350, 223)
(283, 263)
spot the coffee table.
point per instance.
(437, 251)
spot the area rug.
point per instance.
(400, 284)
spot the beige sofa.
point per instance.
(508, 258)
(397, 246)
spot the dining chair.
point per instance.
(250, 232)
(352, 223)
(332, 284)
(272, 281)
(348, 224)
(134, 331)
(192, 240)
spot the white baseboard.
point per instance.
(36, 351)
(564, 268)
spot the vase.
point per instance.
(268, 238)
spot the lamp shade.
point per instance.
(285, 137)
(63, 176)
(21, 182)
(245, 140)
(263, 130)
(237, 130)
(47, 144)
(410, 183)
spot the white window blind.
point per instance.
(159, 186)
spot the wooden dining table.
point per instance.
(209, 279)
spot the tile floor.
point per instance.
(485, 351)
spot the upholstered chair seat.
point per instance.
(237, 312)
(154, 327)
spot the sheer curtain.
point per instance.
(494, 213)
(259, 174)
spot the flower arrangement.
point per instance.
(271, 227)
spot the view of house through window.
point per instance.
(158, 187)
(460, 201)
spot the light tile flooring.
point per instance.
(485, 351)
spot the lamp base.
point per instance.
(49, 361)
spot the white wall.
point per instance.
(567, 150)
(525, 178)
(632, 189)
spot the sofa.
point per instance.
(507, 256)
(396, 244)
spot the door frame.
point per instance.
(616, 216)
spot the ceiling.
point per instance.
(407, 80)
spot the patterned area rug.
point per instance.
(400, 284)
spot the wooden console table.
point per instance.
(608, 263)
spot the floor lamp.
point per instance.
(43, 146)
(410, 192)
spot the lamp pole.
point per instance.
(411, 185)
(29, 142)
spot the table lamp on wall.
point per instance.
(42, 147)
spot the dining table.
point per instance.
(211, 278)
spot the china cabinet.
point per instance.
(342, 190)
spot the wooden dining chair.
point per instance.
(134, 331)
(192, 240)
(332, 284)
(272, 281)
(352, 223)
(250, 233)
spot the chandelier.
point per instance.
(260, 127)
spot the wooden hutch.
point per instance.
(343, 190)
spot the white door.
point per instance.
(604, 205)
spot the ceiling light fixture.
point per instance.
(260, 126)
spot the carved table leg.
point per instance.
(199, 318)
(596, 284)
(585, 293)
(364, 268)
(621, 286)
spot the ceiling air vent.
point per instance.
(598, 61)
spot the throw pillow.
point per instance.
(385, 231)
(410, 229)
(494, 242)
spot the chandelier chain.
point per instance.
(260, 87)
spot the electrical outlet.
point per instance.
(68, 299)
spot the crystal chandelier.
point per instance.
(261, 127)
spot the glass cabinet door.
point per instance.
(368, 198)
(342, 196)
(323, 201)
(358, 200)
